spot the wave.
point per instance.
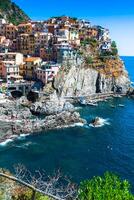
(79, 124)
(25, 145)
(78, 108)
(23, 136)
(6, 142)
(102, 122)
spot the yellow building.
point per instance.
(22, 70)
(31, 65)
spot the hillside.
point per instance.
(11, 12)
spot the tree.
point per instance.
(108, 187)
(114, 48)
(113, 45)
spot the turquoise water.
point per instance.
(129, 62)
(82, 152)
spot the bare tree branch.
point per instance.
(57, 186)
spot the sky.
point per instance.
(117, 15)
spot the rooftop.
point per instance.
(32, 59)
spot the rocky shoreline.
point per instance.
(16, 117)
(23, 117)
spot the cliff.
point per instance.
(11, 12)
(96, 71)
(83, 80)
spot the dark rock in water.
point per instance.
(96, 121)
(63, 119)
(131, 92)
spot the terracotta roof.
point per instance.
(31, 59)
(22, 25)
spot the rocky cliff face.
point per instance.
(11, 12)
(86, 81)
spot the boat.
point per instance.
(117, 96)
(112, 106)
(121, 105)
(92, 104)
(82, 101)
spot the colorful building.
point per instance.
(9, 69)
(9, 64)
(15, 57)
(31, 65)
(47, 72)
(42, 39)
(9, 31)
(64, 52)
(25, 28)
(26, 44)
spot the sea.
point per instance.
(81, 152)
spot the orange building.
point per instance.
(25, 28)
(31, 65)
(26, 44)
(9, 31)
(51, 28)
(1, 69)
(92, 32)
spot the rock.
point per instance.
(17, 119)
(62, 119)
(130, 92)
(23, 101)
(52, 106)
(68, 107)
(86, 81)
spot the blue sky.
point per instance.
(117, 15)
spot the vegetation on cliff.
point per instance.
(11, 12)
(107, 187)
(105, 62)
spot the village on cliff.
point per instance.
(37, 50)
(50, 64)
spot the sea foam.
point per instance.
(6, 142)
(102, 122)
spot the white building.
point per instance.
(47, 72)
(63, 33)
(2, 21)
(16, 58)
(42, 38)
(105, 46)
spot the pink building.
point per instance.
(9, 69)
(47, 72)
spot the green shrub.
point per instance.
(109, 187)
(92, 41)
(26, 195)
(89, 60)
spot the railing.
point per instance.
(19, 84)
(31, 187)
